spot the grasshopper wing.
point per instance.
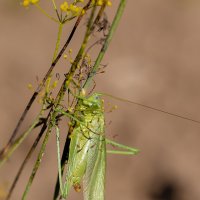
(94, 179)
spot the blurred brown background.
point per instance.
(153, 59)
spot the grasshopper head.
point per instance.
(94, 101)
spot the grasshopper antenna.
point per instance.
(152, 108)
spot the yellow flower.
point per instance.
(34, 1)
(75, 10)
(55, 83)
(83, 12)
(30, 86)
(26, 3)
(99, 2)
(65, 56)
(109, 3)
(71, 61)
(64, 6)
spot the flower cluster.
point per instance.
(101, 2)
(75, 10)
(72, 9)
(26, 3)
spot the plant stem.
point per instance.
(18, 141)
(58, 41)
(38, 161)
(106, 43)
(45, 13)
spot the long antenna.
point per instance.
(152, 108)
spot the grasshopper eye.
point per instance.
(97, 97)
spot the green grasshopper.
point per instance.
(87, 152)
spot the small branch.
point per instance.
(45, 13)
(58, 41)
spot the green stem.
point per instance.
(58, 41)
(106, 43)
(54, 5)
(58, 158)
(19, 140)
(45, 13)
(37, 163)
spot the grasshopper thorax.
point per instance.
(92, 103)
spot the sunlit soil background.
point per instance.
(153, 59)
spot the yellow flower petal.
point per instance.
(64, 7)
(34, 1)
(26, 3)
(109, 3)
